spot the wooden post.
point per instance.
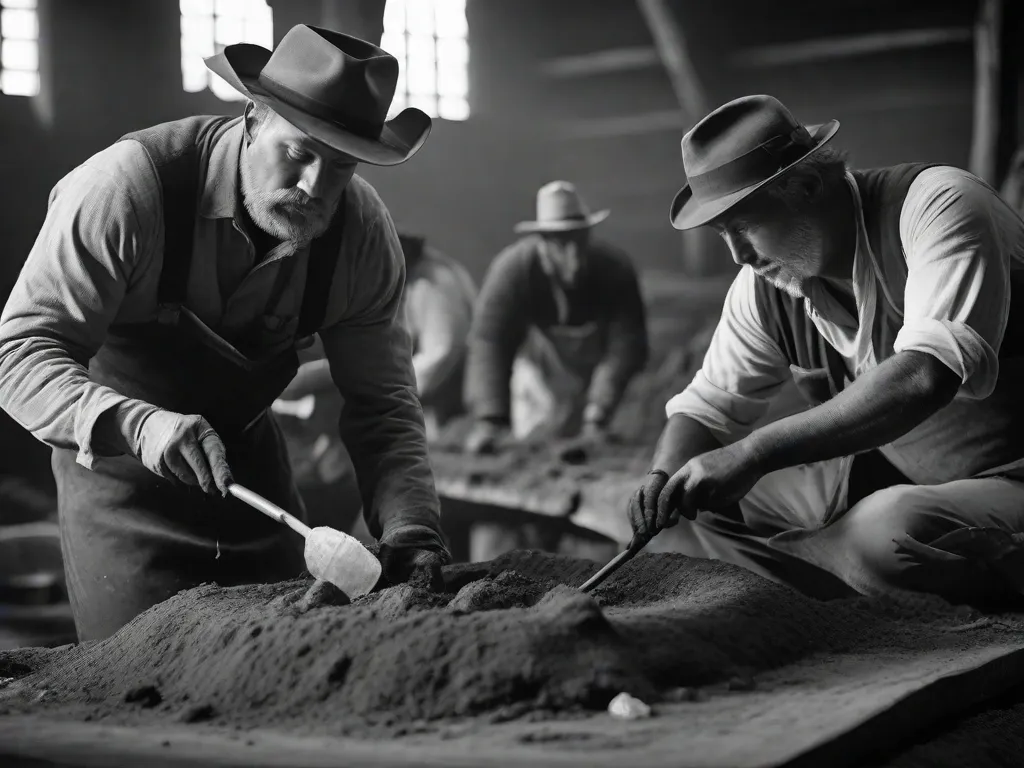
(995, 95)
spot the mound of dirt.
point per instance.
(512, 633)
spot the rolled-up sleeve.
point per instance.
(66, 296)
(958, 239)
(743, 368)
(370, 359)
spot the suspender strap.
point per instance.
(174, 149)
(179, 180)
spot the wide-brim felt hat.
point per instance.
(736, 150)
(334, 87)
(561, 208)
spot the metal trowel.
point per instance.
(330, 555)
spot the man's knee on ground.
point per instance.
(876, 529)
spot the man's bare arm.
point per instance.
(879, 407)
(681, 440)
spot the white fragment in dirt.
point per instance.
(626, 707)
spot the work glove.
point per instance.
(485, 436)
(643, 513)
(184, 448)
(413, 551)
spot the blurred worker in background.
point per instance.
(559, 329)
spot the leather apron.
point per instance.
(551, 378)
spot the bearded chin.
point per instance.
(275, 222)
(270, 217)
(788, 282)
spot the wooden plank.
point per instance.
(839, 47)
(540, 501)
(835, 711)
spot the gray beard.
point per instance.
(263, 210)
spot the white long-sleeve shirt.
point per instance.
(960, 241)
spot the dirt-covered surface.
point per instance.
(510, 642)
(990, 735)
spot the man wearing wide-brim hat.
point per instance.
(559, 329)
(159, 313)
(892, 298)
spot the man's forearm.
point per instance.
(487, 382)
(386, 440)
(681, 440)
(51, 395)
(876, 409)
(381, 423)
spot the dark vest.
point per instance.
(175, 361)
(967, 438)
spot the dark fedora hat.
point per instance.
(336, 88)
(736, 150)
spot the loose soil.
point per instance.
(509, 638)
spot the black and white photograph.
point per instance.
(511, 383)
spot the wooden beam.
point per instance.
(621, 125)
(889, 100)
(826, 48)
(674, 52)
(601, 62)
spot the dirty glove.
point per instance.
(413, 549)
(643, 506)
(485, 436)
(184, 448)
(714, 481)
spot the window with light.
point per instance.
(19, 48)
(209, 25)
(429, 39)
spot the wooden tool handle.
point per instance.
(269, 509)
(635, 545)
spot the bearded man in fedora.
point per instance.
(893, 297)
(558, 332)
(159, 313)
